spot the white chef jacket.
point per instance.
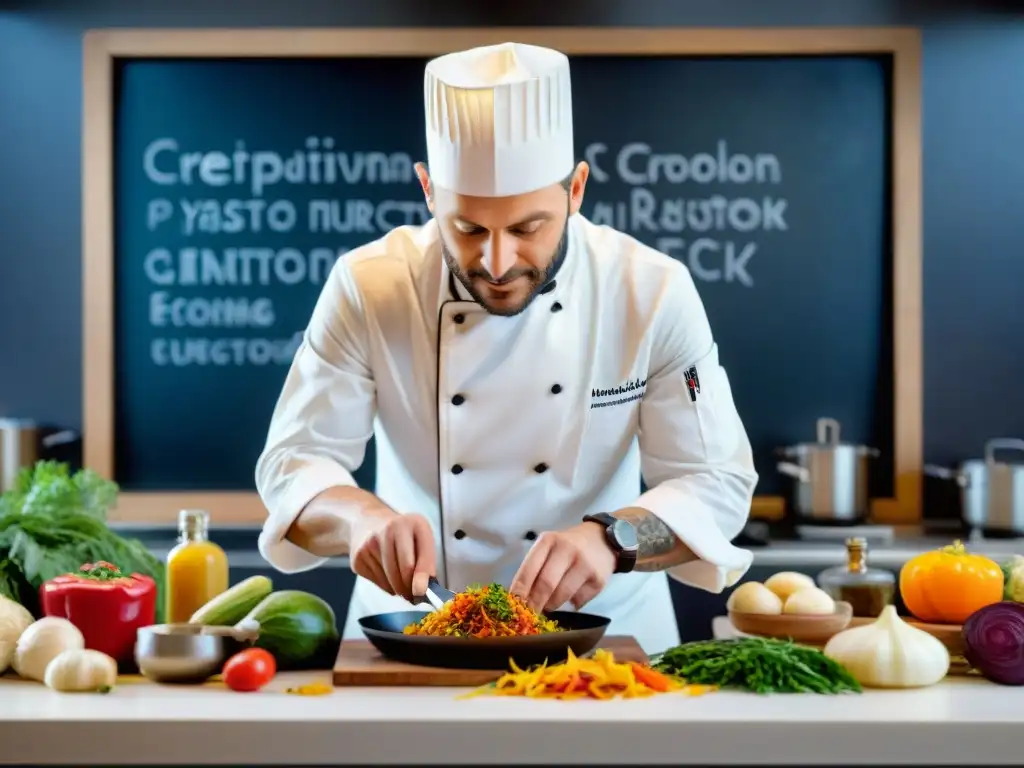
(498, 428)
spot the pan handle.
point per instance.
(828, 431)
(794, 470)
(64, 437)
(1001, 444)
(958, 477)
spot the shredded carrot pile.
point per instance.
(311, 689)
(600, 677)
(483, 612)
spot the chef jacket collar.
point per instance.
(457, 291)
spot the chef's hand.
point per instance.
(565, 566)
(395, 552)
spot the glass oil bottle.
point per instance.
(867, 590)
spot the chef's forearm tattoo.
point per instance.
(658, 547)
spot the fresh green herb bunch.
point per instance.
(52, 522)
(758, 664)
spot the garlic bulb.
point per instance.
(14, 619)
(754, 597)
(889, 653)
(809, 601)
(81, 670)
(41, 642)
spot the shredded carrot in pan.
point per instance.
(488, 611)
(600, 677)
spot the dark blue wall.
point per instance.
(973, 165)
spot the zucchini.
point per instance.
(298, 628)
(233, 605)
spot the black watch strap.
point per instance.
(625, 551)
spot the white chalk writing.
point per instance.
(714, 223)
(365, 217)
(238, 266)
(204, 351)
(167, 164)
(249, 222)
(261, 220)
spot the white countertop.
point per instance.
(962, 721)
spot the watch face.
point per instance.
(625, 534)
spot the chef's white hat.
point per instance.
(499, 120)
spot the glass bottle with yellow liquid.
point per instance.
(197, 568)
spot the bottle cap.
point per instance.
(856, 553)
(193, 522)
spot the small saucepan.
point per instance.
(991, 490)
(831, 477)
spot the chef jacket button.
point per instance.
(556, 388)
(541, 468)
(530, 535)
(460, 534)
(556, 307)
(457, 469)
(549, 287)
(458, 400)
(459, 318)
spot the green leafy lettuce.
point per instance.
(53, 521)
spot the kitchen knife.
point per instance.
(436, 595)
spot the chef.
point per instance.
(520, 368)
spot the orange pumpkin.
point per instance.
(949, 584)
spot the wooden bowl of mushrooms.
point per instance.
(788, 606)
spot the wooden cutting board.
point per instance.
(359, 663)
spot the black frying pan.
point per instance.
(582, 632)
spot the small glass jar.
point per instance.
(867, 590)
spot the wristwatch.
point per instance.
(621, 537)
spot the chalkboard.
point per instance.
(237, 182)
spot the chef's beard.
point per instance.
(538, 278)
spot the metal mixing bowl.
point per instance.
(187, 653)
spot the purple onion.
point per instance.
(994, 642)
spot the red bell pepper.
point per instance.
(107, 606)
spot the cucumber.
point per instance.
(231, 606)
(298, 628)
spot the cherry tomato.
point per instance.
(249, 670)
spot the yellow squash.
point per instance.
(947, 585)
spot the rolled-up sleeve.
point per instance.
(322, 421)
(696, 457)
